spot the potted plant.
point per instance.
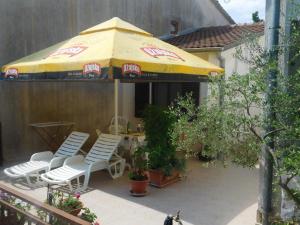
(70, 204)
(164, 164)
(87, 215)
(138, 175)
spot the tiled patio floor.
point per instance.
(208, 196)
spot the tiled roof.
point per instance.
(213, 37)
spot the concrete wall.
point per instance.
(233, 64)
(88, 104)
(31, 25)
(289, 12)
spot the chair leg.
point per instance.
(116, 169)
(39, 181)
(86, 181)
(70, 185)
(28, 180)
(78, 183)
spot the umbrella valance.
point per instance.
(111, 50)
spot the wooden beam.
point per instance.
(50, 209)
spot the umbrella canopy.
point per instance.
(114, 49)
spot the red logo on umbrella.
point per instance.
(94, 68)
(71, 51)
(131, 69)
(11, 73)
(156, 52)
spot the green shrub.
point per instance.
(158, 123)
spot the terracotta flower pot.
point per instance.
(139, 187)
(76, 211)
(158, 179)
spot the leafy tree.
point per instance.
(234, 128)
(255, 17)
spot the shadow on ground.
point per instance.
(207, 196)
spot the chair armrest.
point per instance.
(42, 156)
(83, 152)
(57, 162)
(74, 159)
(98, 165)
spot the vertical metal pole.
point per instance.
(1, 154)
(272, 39)
(200, 97)
(150, 93)
(116, 87)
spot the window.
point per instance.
(163, 94)
(141, 98)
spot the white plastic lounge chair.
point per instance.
(122, 124)
(103, 155)
(45, 161)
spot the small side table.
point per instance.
(129, 143)
(53, 133)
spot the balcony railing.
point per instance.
(19, 209)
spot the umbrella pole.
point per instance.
(116, 105)
(150, 93)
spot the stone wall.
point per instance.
(30, 25)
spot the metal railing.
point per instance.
(19, 209)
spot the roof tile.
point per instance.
(220, 36)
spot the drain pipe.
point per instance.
(1, 146)
(222, 65)
(266, 164)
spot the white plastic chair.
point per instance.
(45, 161)
(122, 124)
(103, 155)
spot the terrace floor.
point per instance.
(207, 196)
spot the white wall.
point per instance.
(235, 65)
(127, 103)
(229, 62)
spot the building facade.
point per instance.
(29, 26)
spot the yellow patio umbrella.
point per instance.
(113, 50)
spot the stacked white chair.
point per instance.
(45, 161)
(103, 155)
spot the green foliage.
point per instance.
(18, 203)
(140, 166)
(164, 159)
(87, 215)
(24, 206)
(41, 214)
(235, 128)
(66, 203)
(279, 222)
(159, 123)
(255, 17)
(70, 203)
